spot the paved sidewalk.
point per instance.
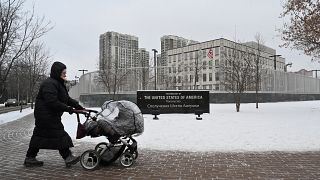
(153, 164)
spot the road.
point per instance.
(9, 109)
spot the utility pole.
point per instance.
(155, 68)
(83, 70)
(275, 60)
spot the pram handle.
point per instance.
(86, 113)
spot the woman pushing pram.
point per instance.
(117, 121)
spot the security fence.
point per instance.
(271, 82)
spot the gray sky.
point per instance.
(74, 39)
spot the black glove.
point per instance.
(79, 107)
(70, 110)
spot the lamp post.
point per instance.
(275, 60)
(285, 67)
(83, 70)
(155, 68)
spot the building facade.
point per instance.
(196, 66)
(168, 42)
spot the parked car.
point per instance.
(11, 102)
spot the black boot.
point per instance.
(70, 160)
(31, 161)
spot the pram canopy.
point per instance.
(123, 117)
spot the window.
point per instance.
(170, 57)
(191, 78)
(169, 69)
(191, 66)
(179, 79)
(216, 51)
(204, 53)
(204, 77)
(186, 68)
(217, 62)
(217, 87)
(210, 64)
(204, 64)
(217, 76)
(210, 76)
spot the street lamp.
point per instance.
(155, 68)
(275, 60)
(285, 67)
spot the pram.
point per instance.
(118, 121)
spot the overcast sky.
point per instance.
(74, 40)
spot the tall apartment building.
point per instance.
(169, 42)
(183, 62)
(118, 49)
(143, 69)
(121, 52)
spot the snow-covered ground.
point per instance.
(285, 126)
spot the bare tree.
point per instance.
(17, 32)
(37, 60)
(113, 77)
(303, 30)
(257, 65)
(144, 77)
(237, 71)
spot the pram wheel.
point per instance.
(134, 153)
(126, 159)
(90, 160)
(99, 147)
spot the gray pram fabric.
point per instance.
(120, 118)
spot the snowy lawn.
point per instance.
(285, 126)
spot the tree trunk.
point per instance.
(237, 99)
(257, 99)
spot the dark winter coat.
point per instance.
(52, 100)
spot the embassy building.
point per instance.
(197, 66)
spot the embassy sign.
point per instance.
(166, 102)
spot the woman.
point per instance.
(52, 100)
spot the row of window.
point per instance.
(204, 87)
(192, 66)
(191, 78)
(207, 53)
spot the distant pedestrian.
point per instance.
(52, 100)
